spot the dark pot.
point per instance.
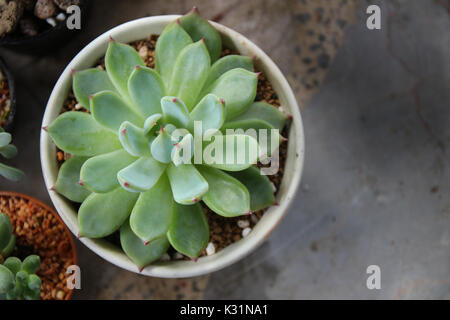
(12, 93)
(46, 41)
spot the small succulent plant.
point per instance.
(18, 280)
(128, 166)
(8, 151)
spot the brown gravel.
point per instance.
(39, 232)
(223, 231)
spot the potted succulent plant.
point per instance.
(130, 157)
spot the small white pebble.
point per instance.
(274, 188)
(178, 256)
(210, 249)
(99, 67)
(246, 231)
(51, 22)
(254, 218)
(282, 109)
(61, 17)
(78, 106)
(165, 257)
(243, 223)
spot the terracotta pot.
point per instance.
(140, 29)
(47, 208)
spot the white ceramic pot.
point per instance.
(140, 29)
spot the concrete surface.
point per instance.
(375, 189)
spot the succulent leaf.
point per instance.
(175, 111)
(161, 147)
(34, 284)
(68, 179)
(9, 151)
(6, 280)
(238, 152)
(140, 253)
(183, 151)
(13, 264)
(238, 88)
(228, 63)
(79, 134)
(120, 62)
(226, 195)
(173, 39)
(11, 173)
(151, 122)
(109, 110)
(263, 111)
(190, 73)
(103, 213)
(189, 231)
(188, 185)
(259, 187)
(31, 264)
(5, 230)
(5, 139)
(210, 111)
(152, 214)
(199, 28)
(142, 174)
(268, 143)
(134, 140)
(89, 82)
(146, 89)
(99, 173)
(10, 247)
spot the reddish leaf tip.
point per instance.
(73, 71)
(289, 117)
(222, 101)
(111, 39)
(137, 66)
(283, 139)
(146, 242)
(194, 9)
(249, 212)
(203, 40)
(79, 235)
(126, 184)
(91, 96)
(276, 203)
(254, 57)
(123, 131)
(195, 259)
(161, 129)
(258, 74)
(52, 188)
(195, 200)
(45, 128)
(140, 269)
(174, 99)
(81, 183)
(178, 21)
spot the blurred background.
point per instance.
(376, 183)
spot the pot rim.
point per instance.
(235, 251)
(56, 215)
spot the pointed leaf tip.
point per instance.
(222, 101)
(276, 203)
(178, 21)
(137, 66)
(81, 183)
(249, 212)
(258, 73)
(140, 269)
(203, 40)
(73, 71)
(111, 39)
(195, 259)
(194, 10)
(126, 184)
(45, 128)
(52, 188)
(289, 117)
(79, 235)
(123, 131)
(174, 100)
(283, 139)
(146, 242)
(195, 200)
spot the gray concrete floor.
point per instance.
(375, 190)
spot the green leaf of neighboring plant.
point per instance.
(103, 213)
(99, 174)
(134, 140)
(188, 185)
(109, 110)
(11, 173)
(5, 230)
(146, 90)
(6, 280)
(259, 187)
(239, 151)
(190, 73)
(79, 134)
(173, 39)
(228, 63)
(238, 88)
(89, 82)
(6, 252)
(253, 126)
(13, 264)
(162, 146)
(9, 151)
(120, 61)
(263, 111)
(140, 253)
(142, 174)
(189, 231)
(210, 111)
(226, 195)
(34, 283)
(199, 28)
(152, 214)
(68, 180)
(5, 139)
(31, 264)
(175, 112)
